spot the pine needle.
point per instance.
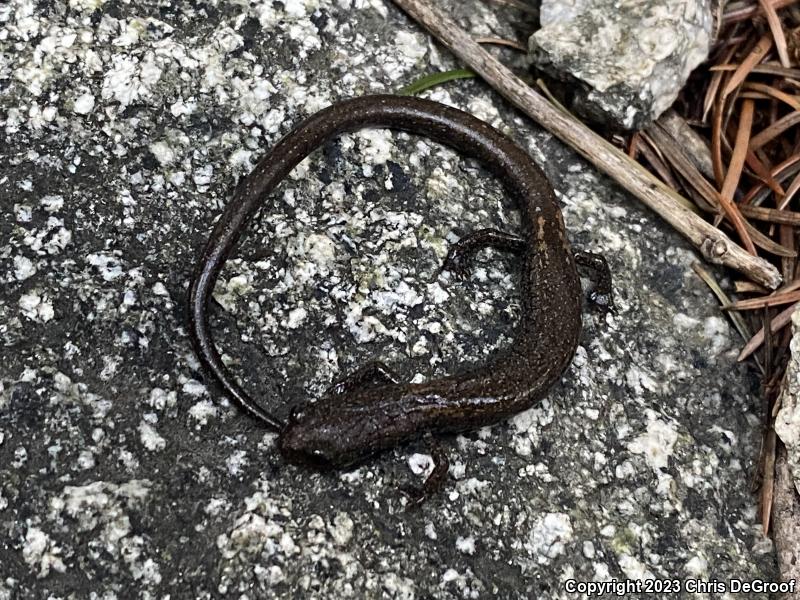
(756, 55)
(734, 173)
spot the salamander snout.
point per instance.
(342, 431)
(308, 439)
(293, 447)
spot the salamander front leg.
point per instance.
(434, 482)
(373, 373)
(460, 255)
(595, 268)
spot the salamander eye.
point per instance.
(316, 459)
(296, 413)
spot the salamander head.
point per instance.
(324, 437)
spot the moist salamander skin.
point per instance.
(346, 427)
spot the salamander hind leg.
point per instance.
(460, 255)
(373, 373)
(595, 267)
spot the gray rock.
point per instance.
(551, 13)
(786, 506)
(124, 127)
(622, 62)
(787, 421)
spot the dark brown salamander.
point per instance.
(370, 410)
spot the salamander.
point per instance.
(371, 410)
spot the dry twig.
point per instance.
(714, 245)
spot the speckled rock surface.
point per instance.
(124, 127)
(623, 61)
(787, 421)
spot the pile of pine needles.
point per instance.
(732, 145)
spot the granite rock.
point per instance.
(787, 420)
(123, 129)
(621, 62)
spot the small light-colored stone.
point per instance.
(623, 62)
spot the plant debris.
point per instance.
(732, 145)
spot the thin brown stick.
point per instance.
(769, 68)
(790, 193)
(713, 244)
(778, 127)
(772, 300)
(502, 42)
(714, 85)
(633, 146)
(716, 141)
(518, 4)
(748, 287)
(779, 322)
(754, 95)
(768, 484)
(693, 145)
(553, 100)
(739, 12)
(779, 173)
(685, 167)
(729, 41)
(724, 300)
(734, 173)
(756, 55)
(657, 162)
(777, 31)
(753, 159)
(789, 287)
(762, 241)
(770, 215)
(774, 93)
(786, 237)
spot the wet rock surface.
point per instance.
(622, 63)
(124, 129)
